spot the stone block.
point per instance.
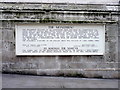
(11, 35)
(112, 47)
(7, 24)
(8, 35)
(5, 35)
(107, 65)
(111, 57)
(91, 58)
(76, 59)
(107, 49)
(0, 46)
(77, 65)
(119, 31)
(0, 56)
(65, 59)
(21, 65)
(64, 66)
(119, 48)
(8, 46)
(112, 30)
(91, 65)
(0, 34)
(112, 39)
(36, 63)
(9, 56)
(101, 74)
(51, 63)
(48, 72)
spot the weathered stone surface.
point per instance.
(102, 66)
(0, 46)
(119, 48)
(8, 35)
(8, 46)
(111, 29)
(0, 35)
(0, 62)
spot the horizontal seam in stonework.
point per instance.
(110, 69)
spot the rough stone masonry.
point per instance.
(99, 66)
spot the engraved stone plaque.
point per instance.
(60, 39)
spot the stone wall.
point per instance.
(101, 66)
(0, 45)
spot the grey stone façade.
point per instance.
(105, 66)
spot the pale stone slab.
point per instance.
(60, 39)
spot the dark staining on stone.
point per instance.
(14, 34)
(21, 72)
(106, 39)
(88, 56)
(72, 74)
(76, 75)
(98, 76)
